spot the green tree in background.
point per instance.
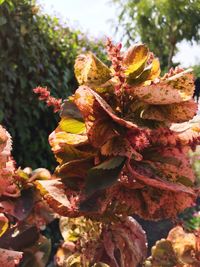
(34, 50)
(161, 24)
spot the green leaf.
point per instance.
(72, 126)
(104, 175)
(142, 77)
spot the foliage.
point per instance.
(180, 249)
(160, 24)
(23, 213)
(122, 146)
(196, 69)
(35, 50)
(106, 243)
(128, 121)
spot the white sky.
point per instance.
(94, 16)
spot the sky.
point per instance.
(94, 17)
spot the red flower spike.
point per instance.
(44, 95)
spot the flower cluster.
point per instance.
(51, 101)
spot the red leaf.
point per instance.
(10, 258)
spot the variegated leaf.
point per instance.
(136, 56)
(155, 70)
(89, 70)
(100, 127)
(54, 193)
(175, 89)
(66, 146)
(10, 258)
(177, 112)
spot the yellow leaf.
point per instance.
(89, 70)
(155, 70)
(135, 53)
(135, 58)
(3, 224)
(72, 126)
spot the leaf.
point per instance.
(4, 223)
(72, 126)
(10, 258)
(186, 132)
(19, 236)
(53, 192)
(70, 172)
(21, 207)
(24, 204)
(184, 245)
(154, 196)
(107, 108)
(100, 127)
(125, 243)
(142, 77)
(59, 138)
(89, 70)
(175, 89)
(162, 255)
(70, 110)
(104, 174)
(172, 164)
(136, 55)
(155, 70)
(178, 249)
(117, 146)
(177, 112)
(68, 146)
(93, 203)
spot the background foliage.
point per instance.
(160, 24)
(35, 50)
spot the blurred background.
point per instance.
(39, 41)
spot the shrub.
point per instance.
(35, 50)
(122, 146)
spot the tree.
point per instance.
(161, 24)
